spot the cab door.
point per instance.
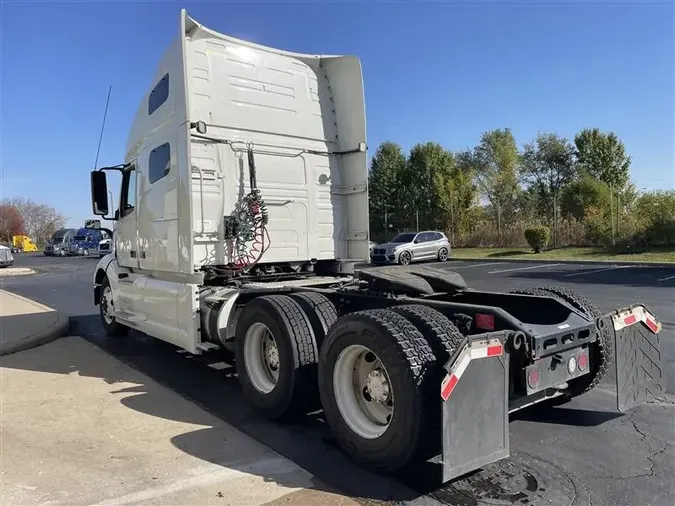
(126, 230)
(129, 285)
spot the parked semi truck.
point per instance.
(58, 244)
(243, 210)
(23, 243)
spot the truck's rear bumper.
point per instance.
(475, 392)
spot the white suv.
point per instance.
(411, 247)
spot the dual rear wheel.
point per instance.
(375, 373)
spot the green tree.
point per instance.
(603, 156)
(547, 164)
(428, 169)
(496, 160)
(387, 169)
(583, 194)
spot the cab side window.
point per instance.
(159, 94)
(159, 162)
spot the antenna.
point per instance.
(100, 137)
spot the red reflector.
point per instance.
(533, 378)
(582, 361)
(629, 320)
(652, 325)
(494, 350)
(485, 321)
(448, 386)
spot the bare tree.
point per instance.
(40, 221)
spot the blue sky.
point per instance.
(439, 71)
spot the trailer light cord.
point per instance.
(249, 238)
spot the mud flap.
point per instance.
(475, 396)
(637, 356)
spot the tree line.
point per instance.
(490, 194)
(21, 216)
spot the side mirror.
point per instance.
(99, 193)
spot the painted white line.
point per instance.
(450, 267)
(219, 365)
(181, 351)
(667, 278)
(598, 270)
(540, 266)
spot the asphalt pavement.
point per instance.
(582, 453)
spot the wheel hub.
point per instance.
(272, 354)
(377, 387)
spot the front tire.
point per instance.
(405, 258)
(375, 376)
(106, 307)
(276, 357)
(85, 252)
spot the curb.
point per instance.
(552, 261)
(59, 329)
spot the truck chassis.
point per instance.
(409, 364)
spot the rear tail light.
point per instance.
(582, 361)
(533, 378)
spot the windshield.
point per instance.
(404, 238)
(79, 238)
(57, 240)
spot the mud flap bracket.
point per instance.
(475, 398)
(637, 356)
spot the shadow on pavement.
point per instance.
(565, 416)
(216, 392)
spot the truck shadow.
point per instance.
(217, 393)
(564, 416)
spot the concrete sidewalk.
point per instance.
(25, 323)
(80, 427)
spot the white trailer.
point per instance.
(243, 210)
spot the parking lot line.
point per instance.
(598, 270)
(472, 266)
(523, 268)
(219, 365)
(667, 278)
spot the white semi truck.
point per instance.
(243, 209)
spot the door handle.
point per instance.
(142, 254)
(132, 254)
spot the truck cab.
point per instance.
(23, 243)
(85, 242)
(58, 244)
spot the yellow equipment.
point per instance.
(23, 243)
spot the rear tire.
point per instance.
(276, 357)
(599, 352)
(400, 379)
(321, 312)
(443, 255)
(106, 306)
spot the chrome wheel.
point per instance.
(404, 258)
(107, 305)
(363, 391)
(443, 254)
(261, 358)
